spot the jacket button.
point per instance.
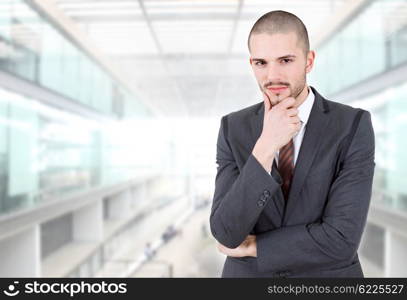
(260, 203)
(266, 193)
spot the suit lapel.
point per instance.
(315, 130)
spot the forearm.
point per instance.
(264, 153)
(302, 247)
(236, 211)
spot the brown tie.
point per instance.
(286, 166)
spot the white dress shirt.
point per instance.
(304, 111)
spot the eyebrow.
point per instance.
(281, 57)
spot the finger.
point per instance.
(295, 120)
(273, 99)
(297, 127)
(222, 249)
(287, 103)
(292, 112)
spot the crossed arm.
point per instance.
(334, 238)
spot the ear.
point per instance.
(250, 60)
(310, 61)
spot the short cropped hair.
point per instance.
(279, 21)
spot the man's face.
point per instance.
(279, 64)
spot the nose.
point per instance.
(274, 73)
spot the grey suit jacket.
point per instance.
(316, 233)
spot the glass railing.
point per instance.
(389, 118)
(371, 43)
(34, 49)
(46, 153)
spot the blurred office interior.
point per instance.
(110, 111)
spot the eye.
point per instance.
(259, 63)
(286, 60)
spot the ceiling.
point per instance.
(187, 58)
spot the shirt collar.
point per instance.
(304, 109)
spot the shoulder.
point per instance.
(237, 125)
(342, 109)
(344, 118)
(345, 114)
(347, 121)
(243, 114)
(337, 109)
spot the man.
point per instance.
(295, 171)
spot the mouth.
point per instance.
(277, 89)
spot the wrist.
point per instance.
(264, 153)
(264, 147)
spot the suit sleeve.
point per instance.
(337, 236)
(240, 195)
